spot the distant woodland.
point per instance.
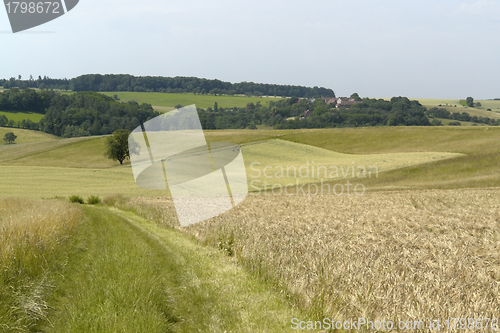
(125, 82)
(91, 113)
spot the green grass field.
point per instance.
(453, 105)
(477, 168)
(428, 157)
(19, 116)
(25, 136)
(280, 163)
(490, 104)
(167, 102)
(485, 103)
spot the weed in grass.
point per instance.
(76, 199)
(93, 200)
(226, 244)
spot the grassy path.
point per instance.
(130, 275)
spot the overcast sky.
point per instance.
(433, 49)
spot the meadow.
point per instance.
(453, 105)
(485, 103)
(167, 102)
(406, 157)
(279, 163)
(78, 166)
(19, 116)
(25, 136)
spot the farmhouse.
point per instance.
(346, 102)
(330, 100)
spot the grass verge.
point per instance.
(132, 275)
(33, 237)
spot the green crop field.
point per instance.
(19, 116)
(167, 102)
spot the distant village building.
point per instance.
(307, 113)
(346, 102)
(330, 100)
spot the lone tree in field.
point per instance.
(9, 137)
(117, 146)
(470, 101)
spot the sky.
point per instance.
(385, 48)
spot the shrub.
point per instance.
(93, 200)
(76, 199)
(454, 123)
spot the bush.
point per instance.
(454, 123)
(76, 199)
(93, 200)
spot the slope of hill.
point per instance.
(167, 102)
(25, 136)
(78, 166)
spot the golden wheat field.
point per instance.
(416, 255)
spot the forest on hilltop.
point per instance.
(126, 82)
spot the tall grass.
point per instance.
(32, 233)
(161, 210)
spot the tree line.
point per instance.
(26, 100)
(295, 113)
(464, 116)
(126, 82)
(72, 115)
(92, 113)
